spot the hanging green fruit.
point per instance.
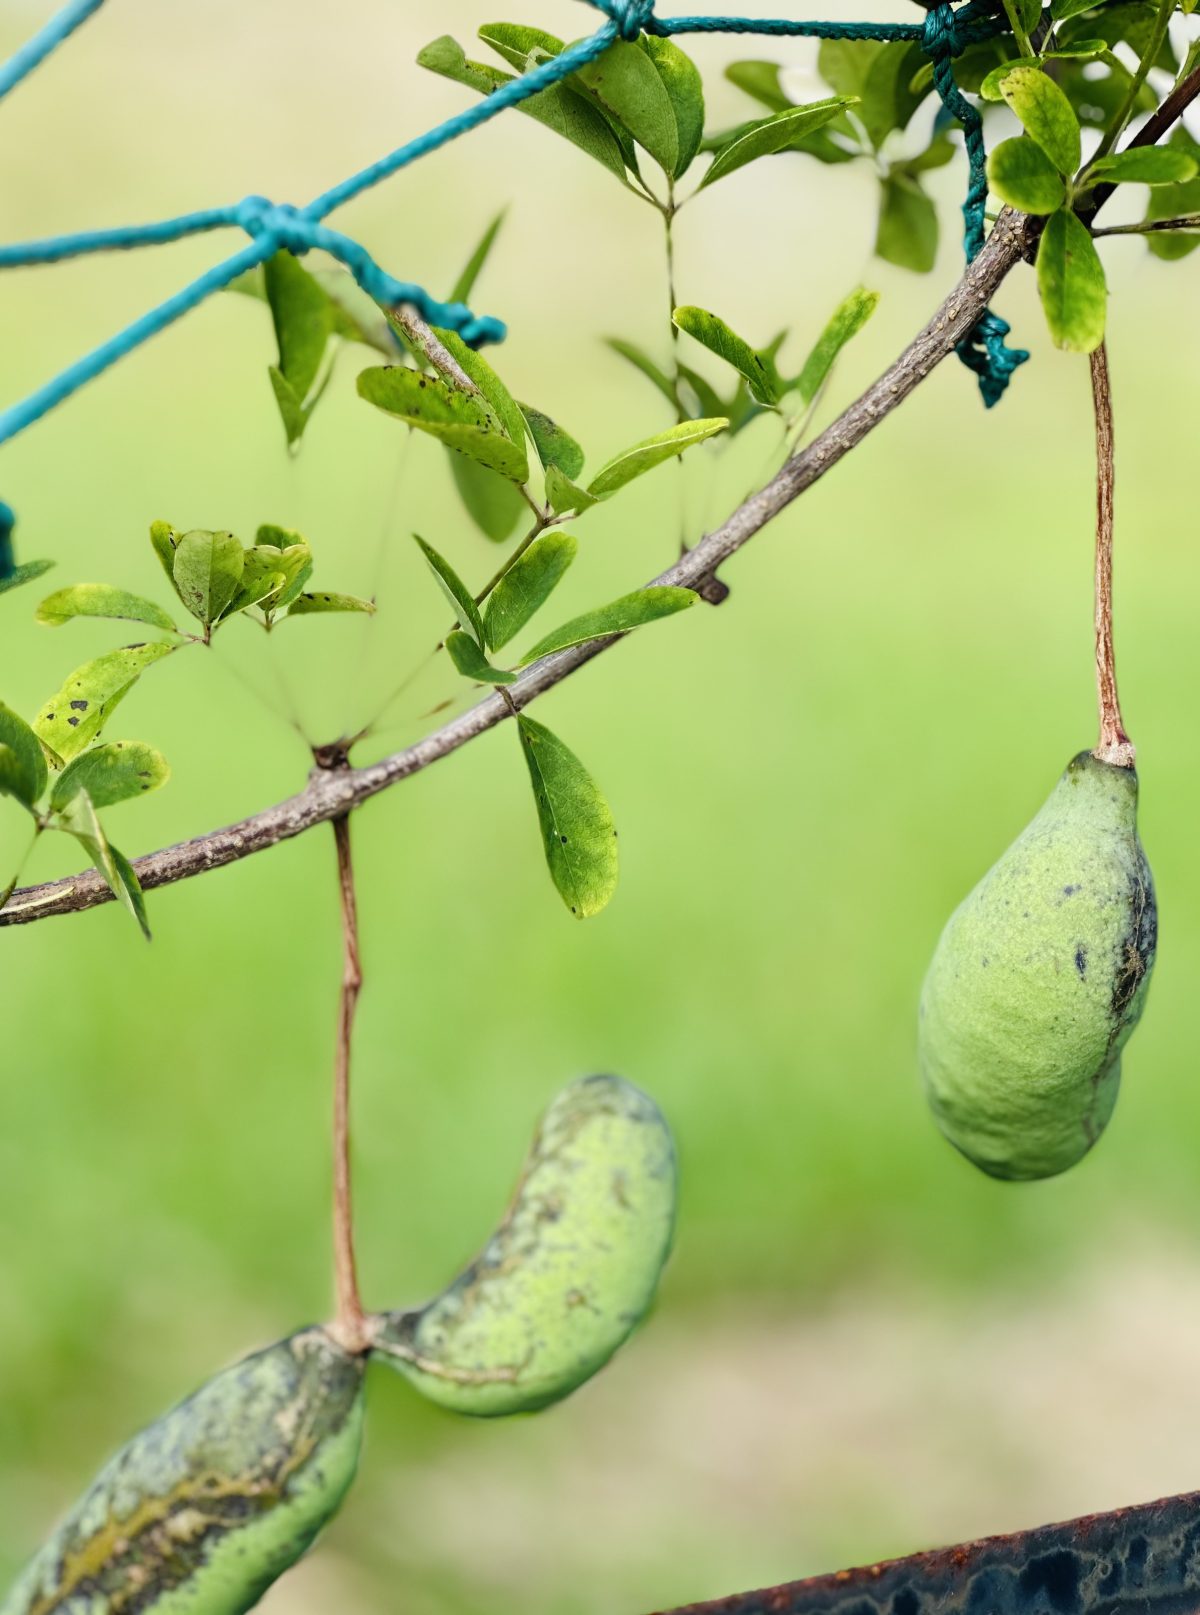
(1041, 974)
(1038, 980)
(203, 1510)
(570, 1272)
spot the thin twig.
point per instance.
(1185, 223)
(420, 333)
(350, 1325)
(1115, 745)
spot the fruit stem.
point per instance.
(1115, 746)
(350, 1326)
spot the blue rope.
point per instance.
(274, 227)
(35, 51)
(8, 563)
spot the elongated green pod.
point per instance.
(203, 1510)
(1038, 980)
(569, 1273)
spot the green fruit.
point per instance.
(570, 1272)
(1038, 980)
(203, 1510)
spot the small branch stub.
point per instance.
(1115, 746)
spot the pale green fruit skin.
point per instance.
(1038, 980)
(203, 1510)
(570, 1272)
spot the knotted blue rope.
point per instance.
(273, 227)
(944, 34)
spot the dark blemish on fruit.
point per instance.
(79, 706)
(1069, 891)
(1081, 960)
(74, 722)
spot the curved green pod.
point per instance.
(1038, 980)
(569, 1273)
(203, 1510)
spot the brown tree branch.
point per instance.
(332, 793)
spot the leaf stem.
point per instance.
(350, 1325)
(1024, 43)
(1123, 113)
(540, 522)
(1115, 746)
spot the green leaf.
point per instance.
(526, 586)
(12, 783)
(685, 90)
(1084, 50)
(762, 81)
(25, 772)
(554, 445)
(74, 717)
(626, 83)
(564, 496)
(907, 234)
(846, 321)
(1145, 165)
(940, 151)
(165, 541)
(101, 600)
(644, 456)
(1060, 10)
(303, 319)
(208, 573)
(26, 572)
(272, 536)
(318, 604)
(79, 819)
(845, 63)
(558, 108)
(1046, 114)
(520, 46)
(493, 391)
(1132, 22)
(461, 420)
(1021, 174)
(713, 333)
(618, 617)
(471, 662)
(888, 98)
(291, 408)
(708, 403)
(461, 600)
(461, 291)
(266, 572)
(1175, 202)
(642, 362)
(493, 503)
(766, 136)
(1071, 283)
(113, 773)
(578, 833)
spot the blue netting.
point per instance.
(943, 34)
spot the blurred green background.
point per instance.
(862, 1345)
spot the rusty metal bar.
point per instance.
(1134, 1561)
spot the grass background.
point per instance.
(862, 1346)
